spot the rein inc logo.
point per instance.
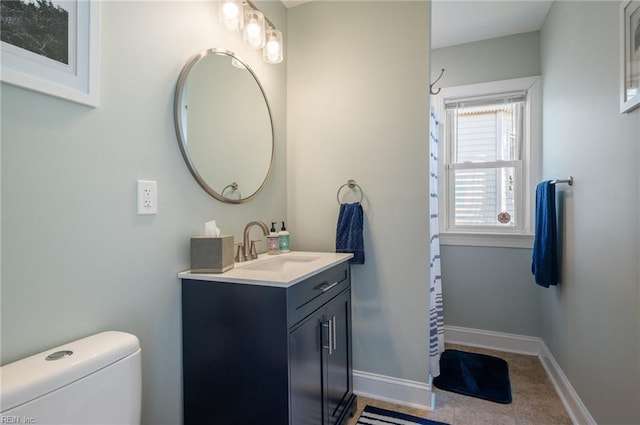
(15, 419)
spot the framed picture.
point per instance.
(53, 47)
(629, 55)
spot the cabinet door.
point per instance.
(338, 362)
(305, 350)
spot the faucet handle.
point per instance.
(240, 256)
(253, 252)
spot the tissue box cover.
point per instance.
(211, 255)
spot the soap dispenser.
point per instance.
(273, 240)
(283, 239)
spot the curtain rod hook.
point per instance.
(432, 84)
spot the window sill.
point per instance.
(487, 239)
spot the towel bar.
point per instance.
(569, 181)
(352, 185)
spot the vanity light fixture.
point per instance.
(257, 30)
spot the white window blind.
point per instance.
(484, 168)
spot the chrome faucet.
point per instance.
(247, 251)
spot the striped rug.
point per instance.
(377, 416)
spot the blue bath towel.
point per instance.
(349, 231)
(544, 266)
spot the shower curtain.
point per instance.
(436, 309)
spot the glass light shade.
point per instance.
(273, 51)
(231, 14)
(253, 32)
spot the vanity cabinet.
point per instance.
(272, 354)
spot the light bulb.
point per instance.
(230, 10)
(273, 47)
(253, 30)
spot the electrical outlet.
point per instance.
(147, 197)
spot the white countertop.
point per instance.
(282, 270)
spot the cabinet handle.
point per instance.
(330, 327)
(333, 322)
(325, 286)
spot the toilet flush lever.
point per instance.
(59, 355)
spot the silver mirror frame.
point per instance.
(182, 142)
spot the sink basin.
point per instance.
(280, 264)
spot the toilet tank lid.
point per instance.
(34, 376)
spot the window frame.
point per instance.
(522, 237)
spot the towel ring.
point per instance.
(352, 185)
(234, 187)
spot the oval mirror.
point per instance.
(223, 123)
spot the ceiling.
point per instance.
(459, 22)
(462, 21)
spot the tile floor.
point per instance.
(534, 399)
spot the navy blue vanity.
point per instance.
(269, 342)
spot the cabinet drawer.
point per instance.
(306, 296)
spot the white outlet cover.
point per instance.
(147, 197)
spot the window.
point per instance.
(490, 138)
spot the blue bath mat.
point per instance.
(374, 416)
(475, 375)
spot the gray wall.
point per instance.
(358, 109)
(495, 59)
(591, 320)
(76, 259)
(489, 288)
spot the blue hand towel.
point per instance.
(349, 231)
(545, 265)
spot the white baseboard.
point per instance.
(510, 343)
(413, 394)
(576, 409)
(525, 345)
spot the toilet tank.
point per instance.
(94, 380)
